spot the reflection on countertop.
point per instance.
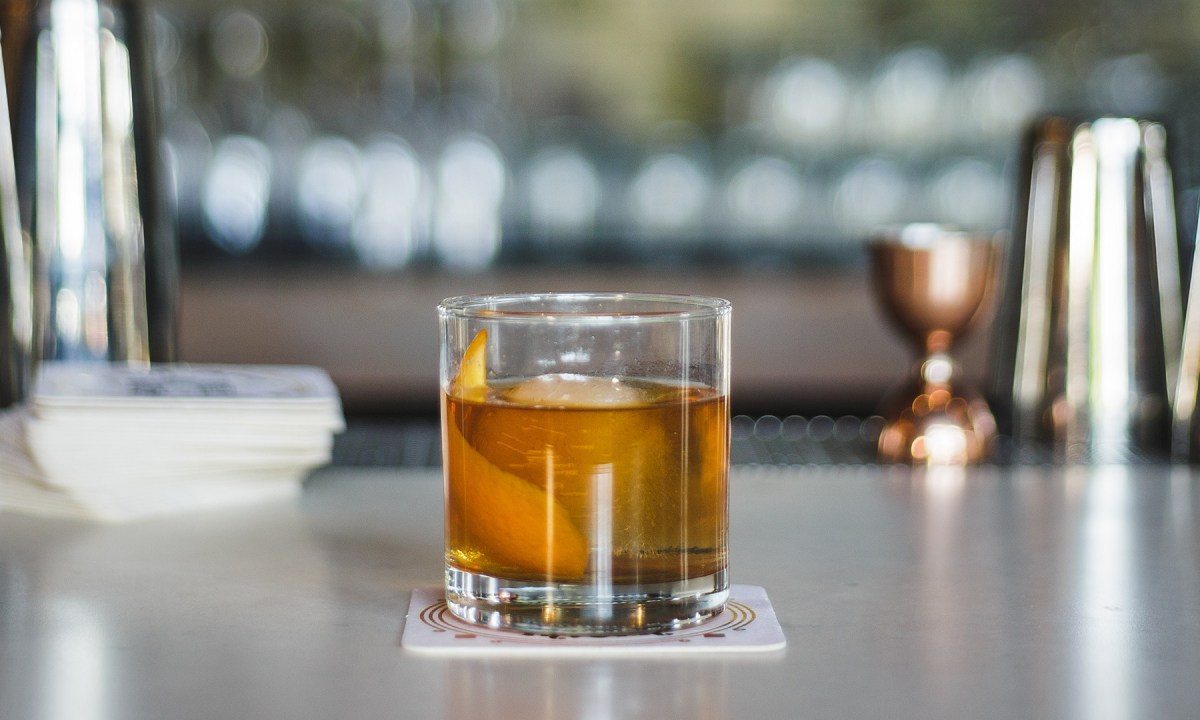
(989, 592)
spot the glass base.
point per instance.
(584, 609)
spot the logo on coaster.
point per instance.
(747, 624)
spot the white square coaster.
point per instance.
(747, 625)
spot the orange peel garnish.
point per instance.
(511, 522)
(471, 381)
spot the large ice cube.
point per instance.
(568, 390)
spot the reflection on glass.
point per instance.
(239, 43)
(329, 188)
(334, 40)
(391, 223)
(236, 193)
(804, 101)
(668, 195)
(75, 40)
(472, 179)
(872, 193)
(970, 194)
(1004, 93)
(1130, 84)
(395, 27)
(908, 92)
(188, 150)
(118, 301)
(765, 198)
(477, 27)
(564, 195)
(168, 45)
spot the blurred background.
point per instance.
(338, 166)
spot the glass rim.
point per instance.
(520, 307)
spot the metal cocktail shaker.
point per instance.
(16, 293)
(105, 262)
(1090, 321)
(1185, 432)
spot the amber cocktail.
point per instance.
(586, 454)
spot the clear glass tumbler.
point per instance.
(585, 450)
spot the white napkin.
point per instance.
(114, 442)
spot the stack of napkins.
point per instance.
(116, 442)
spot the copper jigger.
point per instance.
(931, 282)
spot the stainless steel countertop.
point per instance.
(1036, 592)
